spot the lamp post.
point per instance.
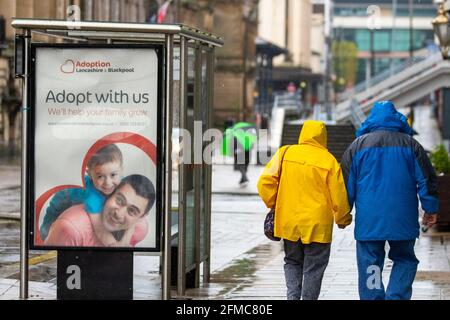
(372, 54)
(442, 28)
(246, 18)
(394, 15)
(327, 55)
(411, 40)
(373, 22)
(249, 17)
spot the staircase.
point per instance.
(339, 137)
(386, 74)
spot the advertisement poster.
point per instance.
(96, 142)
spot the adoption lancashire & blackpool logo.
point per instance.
(99, 66)
(68, 66)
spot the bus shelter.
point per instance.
(126, 93)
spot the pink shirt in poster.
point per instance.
(74, 228)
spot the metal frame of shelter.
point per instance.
(188, 97)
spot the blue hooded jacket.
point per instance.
(385, 169)
(384, 116)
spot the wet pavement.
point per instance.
(244, 264)
(9, 191)
(340, 279)
(234, 233)
(10, 202)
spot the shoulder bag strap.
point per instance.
(280, 168)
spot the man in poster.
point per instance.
(120, 225)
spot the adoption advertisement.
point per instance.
(95, 167)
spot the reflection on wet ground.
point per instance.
(10, 200)
(9, 190)
(241, 273)
(41, 269)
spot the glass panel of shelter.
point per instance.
(175, 141)
(204, 106)
(189, 185)
(197, 105)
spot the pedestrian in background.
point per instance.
(241, 158)
(385, 169)
(238, 141)
(308, 194)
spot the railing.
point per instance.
(292, 103)
(345, 110)
(391, 71)
(287, 99)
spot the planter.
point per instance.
(443, 222)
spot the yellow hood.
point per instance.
(305, 186)
(314, 133)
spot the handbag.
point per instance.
(269, 221)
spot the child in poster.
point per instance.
(104, 173)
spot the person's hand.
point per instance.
(347, 220)
(429, 220)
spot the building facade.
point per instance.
(234, 20)
(291, 24)
(99, 10)
(386, 32)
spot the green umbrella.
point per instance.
(243, 132)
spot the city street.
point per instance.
(142, 126)
(244, 264)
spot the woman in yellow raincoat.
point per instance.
(308, 197)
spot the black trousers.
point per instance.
(241, 157)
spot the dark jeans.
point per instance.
(241, 160)
(371, 255)
(304, 267)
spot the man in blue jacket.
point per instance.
(384, 170)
